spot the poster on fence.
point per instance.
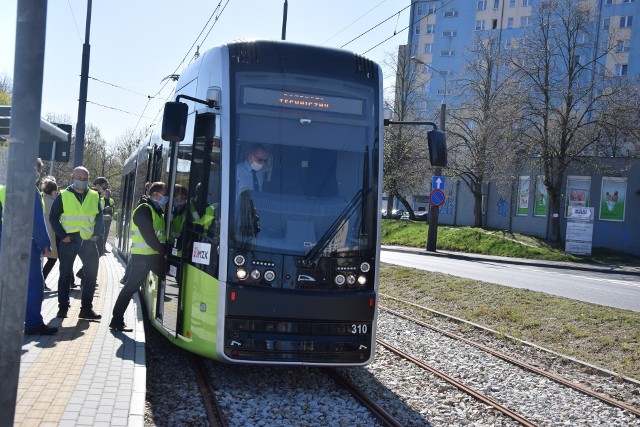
(612, 198)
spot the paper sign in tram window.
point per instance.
(201, 253)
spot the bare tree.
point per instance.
(481, 135)
(6, 88)
(405, 157)
(565, 90)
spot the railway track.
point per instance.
(517, 362)
(211, 406)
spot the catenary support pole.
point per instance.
(78, 153)
(434, 211)
(17, 222)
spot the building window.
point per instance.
(627, 1)
(621, 69)
(428, 47)
(524, 21)
(582, 38)
(482, 4)
(496, 4)
(579, 60)
(450, 33)
(623, 46)
(526, 2)
(431, 28)
(479, 25)
(507, 43)
(476, 46)
(416, 30)
(494, 24)
(626, 21)
(608, 2)
(447, 52)
(414, 49)
(451, 14)
(420, 10)
(512, 3)
(431, 9)
(606, 23)
(510, 23)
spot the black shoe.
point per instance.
(41, 330)
(89, 314)
(119, 326)
(46, 288)
(74, 286)
(62, 313)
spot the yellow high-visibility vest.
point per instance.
(138, 245)
(78, 217)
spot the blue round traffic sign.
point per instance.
(436, 197)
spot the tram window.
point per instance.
(199, 172)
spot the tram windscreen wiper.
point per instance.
(331, 232)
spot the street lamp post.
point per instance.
(434, 211)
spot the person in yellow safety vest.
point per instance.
(40, 245)
(148, 253)
(178, 217)
(76, 217)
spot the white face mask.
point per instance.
(256, 166)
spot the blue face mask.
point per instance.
(80, 184)
(162, 202)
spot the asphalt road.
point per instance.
(614, 287)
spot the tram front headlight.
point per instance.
(269, 275)
(241, 273)
(239, 260)
(255, 274)
(351, 280)
(362, 280)
(339, 280)
(365, 267)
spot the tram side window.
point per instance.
(202, 196)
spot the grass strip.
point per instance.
(603, 336)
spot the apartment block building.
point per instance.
(443, 32)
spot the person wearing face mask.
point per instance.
(107, 214)
(148, 251)
(178, 216)
(250, 172)
(76, 218)
(101, 185)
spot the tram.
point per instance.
(284, 271)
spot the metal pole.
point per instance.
(82, 102)
(434, 211)
(53, 156)
(284, 20)
(17, 222)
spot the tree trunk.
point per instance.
(554, 233)
(390, 198)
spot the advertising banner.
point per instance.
(612, 198)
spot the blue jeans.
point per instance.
(88, 253)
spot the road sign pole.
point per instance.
(432, 235)
(17, 221)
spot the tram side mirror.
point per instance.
(437, 142)
(174, 121)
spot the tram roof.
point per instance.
(48, 131)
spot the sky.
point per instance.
(135, 44)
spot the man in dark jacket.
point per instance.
(147, 249)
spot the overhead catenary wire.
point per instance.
(114, 108)
(120, 87)
(74, 21)
(353, 22)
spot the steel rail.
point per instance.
(607, 399)
(386, 418)
(211, 406)
(479, 396)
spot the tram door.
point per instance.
(195, 227)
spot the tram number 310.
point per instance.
(358, 329)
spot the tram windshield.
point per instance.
(304, 165)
